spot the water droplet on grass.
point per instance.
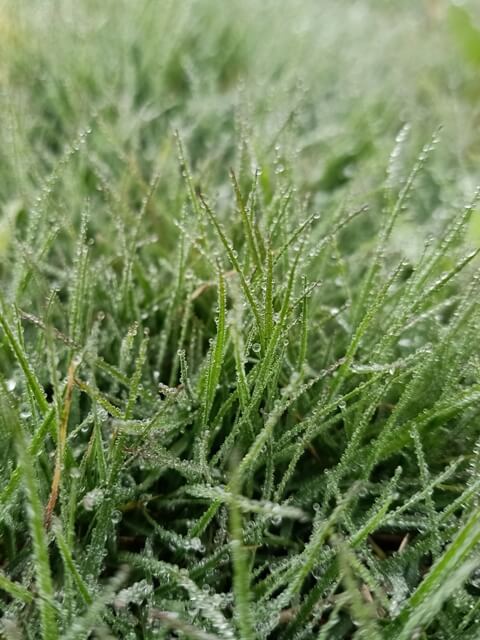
(92, 499)
(116, 516)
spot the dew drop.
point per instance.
(116, 516)
(92, 499)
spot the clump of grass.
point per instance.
(234, 403)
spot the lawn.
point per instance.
(239, 320)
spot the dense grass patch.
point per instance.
(239, 318)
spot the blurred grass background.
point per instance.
(322, 87)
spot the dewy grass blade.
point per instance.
(48, 613)
(247, 224)
(215, 362)
(247, 290)
(241, 569)
(70, 565)
(269, 285)
(22, 358)
(361, 329)
(78, 293)
(448, 573)
(320, 532)
(34, 448)
(61, 444)
(389, 224)
(302, 353)
(135, 381)
(267, 430)
(217, 352)
(15, 590)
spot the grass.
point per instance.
(239, 317)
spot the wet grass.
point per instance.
(239, 316)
